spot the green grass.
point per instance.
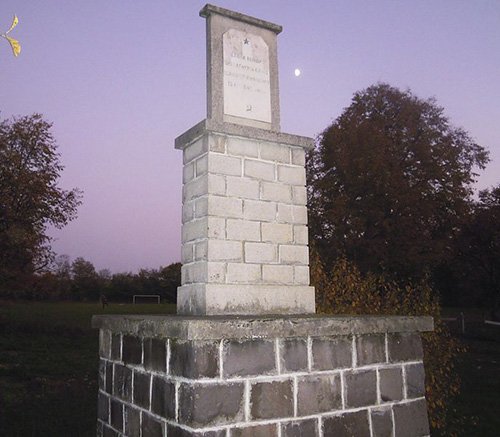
(48, 366)
(49, 362)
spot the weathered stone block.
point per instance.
(102, 375)
(163, 398)
(276, 274)
(347, 425)
(410, 419)
(132, 421)
(415, 380)
(259, 210)
(405, 347)
(298, 156)
(175, 431)
(242, 188)
(277, 233)
(103, 407)
(294, 355)
(217, 143)
(194, 359)
(109, 432)
(105, 344)
(155, 354)
(151, 427)
(116, 410)
(249, 358)
(242, 147)
(225, 206)
(109, 378)
(276, 192)
(300, 234)
(259, 170)
(116, 347)
(285, 214)
(240, 273)
(361, 388)
(243, 230)
(295, 175)
(211, 404)
(269, 400)
(370, 349)
(132, 349)
(122, 382)
(270, 430)
(300, 428)
(299, 195)
(299, 214)
(391, 384)
(142, 384)
(291, 254)
(224, 250)
(381, 422)
(194, 150)
(318, 394)
(331, 353)
(301, 275)
(261, 252)
(275, 152)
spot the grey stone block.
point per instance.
(318, 394)
(300, 428)
(294, 355)
(381, 422)
(391, 384)
(270, 400)
(347, 425)
(116, 418)
(132, 419)
(122, 382)
(109, 378)
(410, 419)
(415, 380)
(210, 404)
(151, 427)
(361, 388)
(132, 349)
(405, 347)
(105, 343)
(270, 430)
(194, 359)
(249, 357)
(370, 349)
(155, 354)
(175, 431)
(103, 407)
(102, 374)
(109, 432)
(331, 353)
(142, 383)
(116, 347)
(163, 398)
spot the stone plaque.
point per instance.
(247, 88)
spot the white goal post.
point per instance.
(146, 296)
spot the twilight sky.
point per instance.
(121, 79)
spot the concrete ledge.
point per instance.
(238, 130)
(249, 327)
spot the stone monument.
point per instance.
(246, 355)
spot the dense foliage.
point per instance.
(390, 183)
(30, 198)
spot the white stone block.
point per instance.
(294, 254)
(242, 147)
(275, 152)
(216, 228)
(301, 275)
(242, 230)
(299, 214)
(285, 214)
(276, 191)
(299, 195)
(259, 170)
(221, 250)
(188, 173)
(276, 274)
(216, 272)
(216, 184)
(201, 207)
(187, 253)
(194, 272)
(300, 234)
(242, 187)
(194, 230)
(239, 273)
(277, 233)
(298, 156)
(257, 210)
(201, 166)
(198, 148)
(187, 212)
(195, 188)
(217, 143)
(292, 175)
(261, 253)
(223, 164)
(225, 206)
(200, 250)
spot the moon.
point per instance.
(297, 72)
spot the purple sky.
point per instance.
(121, 80)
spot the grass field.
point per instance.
(49, 361)
(48, 366)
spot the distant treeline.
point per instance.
(79, 281)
